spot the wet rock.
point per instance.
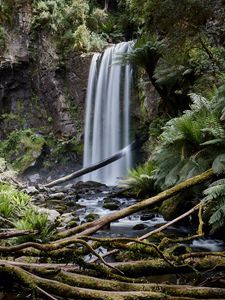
(6, 174)
(3, 165)
(52, 213)
(70, 203)
(140, 227)
(39, 198)
(61, 208)
(179, 250)
(42, 188)
(147, 217)
(173, 207)
(89, 187)
(59, 195)
(67, 217)
(31, 190)
(91, 217)
(67, 188)
(34, 178)
(111, 206)
(72, 224)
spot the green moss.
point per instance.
(111, 206)
(22, 148)
(172, 207)
(91, 217)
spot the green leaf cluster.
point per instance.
(214, 204)
(140, 180)
(189, 145)
(16, 211)
(70, 22)
(21, 148)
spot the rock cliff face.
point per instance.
(39, 88)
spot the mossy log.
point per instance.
(92, 227)
(59, 281)
(75, 286)
(86, 288)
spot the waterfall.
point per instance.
(107, 123)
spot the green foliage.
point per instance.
(214, 204)
(12, 202)
(67, 20)
(182, 19)
(189, 144)
(6, 8)
(145, 50)
(21, 148)
(34, 220)
(2, 39)
(141, 179)
(84, 39)
(16, 211)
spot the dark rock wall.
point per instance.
(49, 98)
(38, 88)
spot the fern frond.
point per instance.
(199, 102)
(215, 191)
(214, 204)
(217, 219)
(219, 164)
(140, 179)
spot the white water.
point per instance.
(107, 123)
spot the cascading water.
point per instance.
(107, 114)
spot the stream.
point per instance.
(88, 201)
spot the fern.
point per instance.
(190, 144)
(141, 179)
(214, 204)
(199, 103)
(219, 164)
(168, 75)
(143, 51)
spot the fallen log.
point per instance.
(88, 288)
(15, 233)
(134, 145)
(161, 228)
(92, 227)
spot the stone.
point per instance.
(31, 190)
(147, 217)
(52, 213)
(111, 206)
(34, 178)
(72, 224)
(140, 227)
(91, 217)
(3, 166)
(59, 195)
(39, 198)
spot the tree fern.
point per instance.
(143, 51)
(190, 144)
(214, 204)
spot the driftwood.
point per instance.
(134, 145)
